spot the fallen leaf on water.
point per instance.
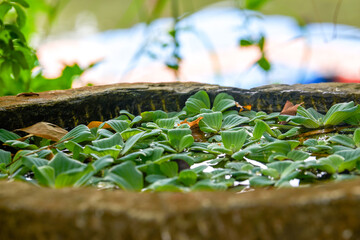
(197, 134)
(193, 123)
(290, 108)
(94, 124)
(45, 130)
(242, 108)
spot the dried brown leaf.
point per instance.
(197, 134)
(242, 108)
(94, 124)
(45, 130)
(290, 108)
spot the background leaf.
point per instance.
(126, 176)
(234, 140)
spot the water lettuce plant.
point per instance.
(207, 146)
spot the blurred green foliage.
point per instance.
(17, 59)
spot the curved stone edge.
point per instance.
(68, 108)
(326, 212)
(329, 211)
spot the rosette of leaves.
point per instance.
(336, 115)
(200, 101)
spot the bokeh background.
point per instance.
(305, 41)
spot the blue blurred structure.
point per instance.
(207, 34)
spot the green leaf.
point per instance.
(21, 2)
(102, 163)
(297, 155)
(21, 16)
(21, 145)
(75, 177)
(260, 181)
(290, 133)
(102, 133)
(196, 102)
(132, 156)
(233, 121)
(131, 116)
(290, 172)
(167, 123)
(300, 120)
(280, 166)
(310, 142)
(263, 153)
(211, 122)
(4, 9)
(168, 185)
(264, 64)
(75, 148)
(331, 163)
(254, 4)
(308, 113)
(156, 153)
(271, 172)
(246, 42)
(136, 120)
(154, 177)
(208, 185)
(153, 115)
(45, 175)
(126, 176)
(239, 155)
(185, 142)
(188, 177)
(351, 157)
(261, 44)
(222, 102)
(62, 163)
(234, 140)
(33, 161)
(343, 140)
(118, 125)
(7, 135)
(221, 149)
(131, 142)
(260, 128)
(79, 134)
(170, 169)
(129, 133)
(176, 138)
(151, 133)
(5, 157)
(340, 112)
(235, 165)
(114, 140)
(356, 137)
(101, 152)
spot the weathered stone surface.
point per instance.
(328, 211)
(80, 106)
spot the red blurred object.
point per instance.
(347, 80)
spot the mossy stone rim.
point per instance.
(328, 211)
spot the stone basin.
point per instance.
(326, 211)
